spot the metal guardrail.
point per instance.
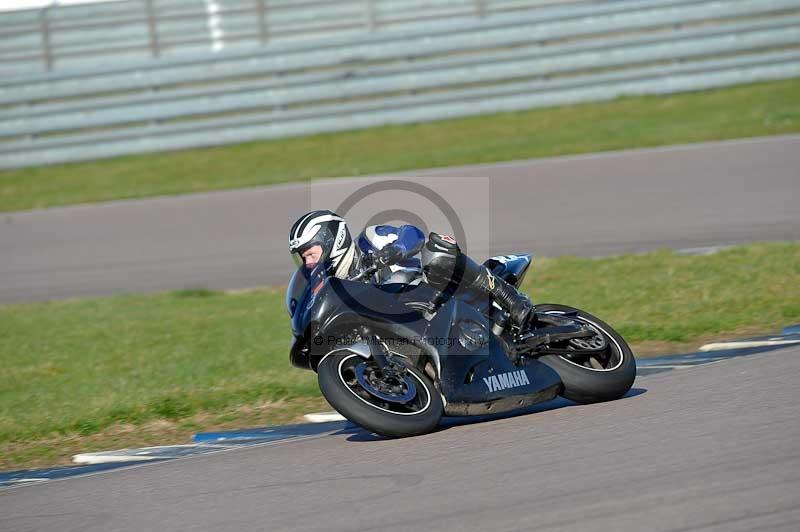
(67, 36)
(362, 46)
(436, 69)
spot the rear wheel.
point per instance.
(599, 368)
(389, 405)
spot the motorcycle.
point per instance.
(396, 357)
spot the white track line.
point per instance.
(741, 345)
(93, 459)
(129, 455)
(324, 417)
(669, 366)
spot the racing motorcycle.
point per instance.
(396, 357)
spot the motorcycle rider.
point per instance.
(323, 236)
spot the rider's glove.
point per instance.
(389, 254)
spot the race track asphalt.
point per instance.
(591, 205)
(712, 448)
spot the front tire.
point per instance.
(609, 376)
(339, 383)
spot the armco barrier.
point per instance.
(432, 69)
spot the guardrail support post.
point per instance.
(152, 28)
(47, 48)
(263, 23)
(480, 8)
(370, 15)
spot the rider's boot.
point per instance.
(445, 267)
(517, 305)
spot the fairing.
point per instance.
(340, 305)
(483, 380)
(475, 376)
(510, 268)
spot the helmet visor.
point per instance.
(312, 256)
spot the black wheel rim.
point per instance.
(601, 352)
(408, 395)
(389, 388)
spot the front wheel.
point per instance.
(594, 369)
(387, 405)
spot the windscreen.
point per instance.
(296, 292)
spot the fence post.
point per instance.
(47, 48)
(370, 14)
(152, 29)
(263, 23)
(480, 7)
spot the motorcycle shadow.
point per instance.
(358, 434)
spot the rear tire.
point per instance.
(349, 398)
(589, 384)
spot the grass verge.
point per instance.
(135, 370)
(744, 111)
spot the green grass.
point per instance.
(664, 297)
(743, 111)
(80, 366)
(74, 370)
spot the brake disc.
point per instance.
(395, 389)
(597, 342)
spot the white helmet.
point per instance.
(328, 230)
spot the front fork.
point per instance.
(381, 356)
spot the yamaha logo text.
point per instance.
(502, 381)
